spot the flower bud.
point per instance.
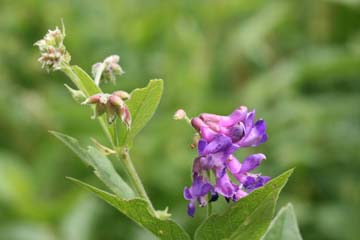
(107, 70)
(124, 95)
(52, 49)
(77, 95)
(180, 114)
(112, 105)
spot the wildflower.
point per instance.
(107, 70)
(111, 104)
(239, 126)
(53, 51)
(241, 172)
(220, 137)
(197, 193)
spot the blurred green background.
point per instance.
(296, 62)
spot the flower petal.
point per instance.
(251, 162)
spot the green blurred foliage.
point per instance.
(296, 62)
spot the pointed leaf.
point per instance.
(284, 226)
(101, 164)
(142, 106)
(87, 85)
(90, 88)
(246, 219)
(139, 211)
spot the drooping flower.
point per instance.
(107, 70)
(111, 104)
(197, 193)
(239, 126)
(241, 171)
(53, 51)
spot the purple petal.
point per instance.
(201, 146)
(225, 187)
(197, 123)
(219, 143)
(237, 132)
(233, 164)
(236, 116)
(249, 121)
(209, 117)
(207, 133)
(239, 194)
(255, 181)
(191, 209)
(255, 136)
(205, 189)
(187, 194)
(252, 162)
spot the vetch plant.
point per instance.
(215, 171)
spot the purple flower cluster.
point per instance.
(221, 136)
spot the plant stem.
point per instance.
(209, 209)
(123, 154)
(134, 177)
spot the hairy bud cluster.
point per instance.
(52, 49)
(111, 104)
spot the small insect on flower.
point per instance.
(53, 51)
(111, 104)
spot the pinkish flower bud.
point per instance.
(52, 49)
(107, 70)
(92, 99)
(124, 95)
(125, 116)
(112, 105)
(180, 114)
(116, 101)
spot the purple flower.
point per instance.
(221, 136)
(197, 193)
(239, 126)
(213, 155)
(255, 181)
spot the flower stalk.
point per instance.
(54, 56)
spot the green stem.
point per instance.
(134, 177)
(123, 154)
(209, 209)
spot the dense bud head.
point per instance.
(52, 50)
(112, 105)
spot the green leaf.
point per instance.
(142, 106)
(246, 219)
(87, 85)
(101, 164)
(139, 211)
(284, 226)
